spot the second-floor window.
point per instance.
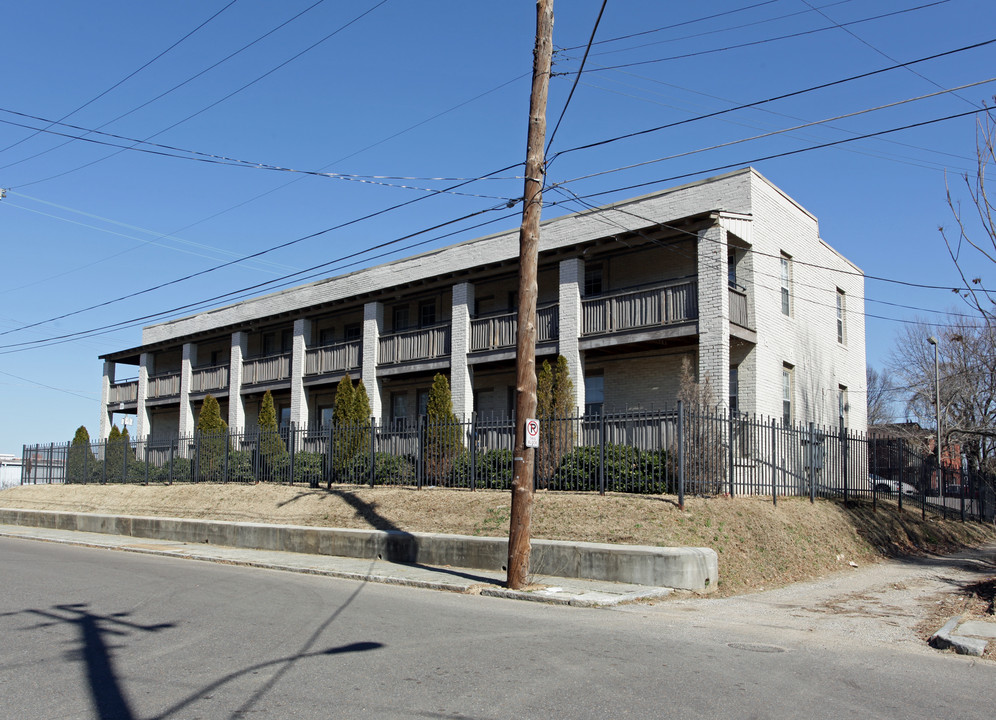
(841, 329)
(786, 278)
(427, 313)
(399, 318)
(592, 280)
(787, 395)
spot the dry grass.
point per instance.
(759, 545)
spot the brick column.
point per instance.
(461, 374)
(143, 425)
(714, 314)
(373, 326)
(236, 405)
(105, 399)
(569, 323)
(299, 396)
(187, 420)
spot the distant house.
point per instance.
(902, 446)
(728, 275)
(10, 471)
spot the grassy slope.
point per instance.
(759, 545)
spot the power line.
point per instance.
(577, 77)
(774, 98)
(221, 100)
(764, 41)
(121, 81)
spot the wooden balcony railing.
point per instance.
(204, 379)
(498, 331)
(122, 392)
(338, 357)
(412, 345)
(270, 368)
(738, 308)
(164, 385)
(663, 304)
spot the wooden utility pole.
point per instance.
(525, 370)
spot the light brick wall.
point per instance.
(236, 403)
(461, 374)
(110, 369)
(187, 420)
(571, 285)
(299, 398)
(142, 423)
(714, 315)
(648, 382)
(373, 327)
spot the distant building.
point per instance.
(728, 275)
(10, 470)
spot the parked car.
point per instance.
(956, 490)
(885, 485)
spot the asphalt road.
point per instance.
(88, 633)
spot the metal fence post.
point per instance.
(681, 455)
(103, 469)
(146, 445)
(812, 462)
(902, 473)
(730, 443)
(844, 450)
(291, 435)
(228, 446)
(373, 450)
(473, 451)
(774, 462)
(420, 451)
(601, 457)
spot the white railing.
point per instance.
(412, 345)
(204, 379)
(266, 369)
(164, 385)
(338, 357)
(126, 391)
(738, 308)
(663, 304)
(498, 331)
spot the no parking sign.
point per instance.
(532, 433)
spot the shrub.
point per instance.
(443, 433)
(627, 469)
(80, 461)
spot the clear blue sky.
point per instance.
(428, 90)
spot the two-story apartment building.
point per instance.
(728, 274)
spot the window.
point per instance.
(269, 344)
(734, 390)
(840, 316)
(422, 399)
(594, 394)
(786, 284)
(592, 280)
(399, 406)
(427, 313)
(731, 269)
(842, 406)
(787, 372)
(353, 331)
(399, 318)
(325, 415)
(326, 336)
(284, 417)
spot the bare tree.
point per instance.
(967, 378)
(878, 396)
(974, 240)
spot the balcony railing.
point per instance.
(122, 392)
(498, 331)
(164, 385)
(338, 357)
(738, 308)
(204, 379)
(412, 345)
(664, 304)
(270, 368)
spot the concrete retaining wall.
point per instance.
(682, 568)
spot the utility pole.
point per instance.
(525, 366)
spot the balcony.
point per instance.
(335, 358)
(738, 307)
(415, 345)
(164, 385)
(125, 391)
(269, 368)
(206, 379)
(668, 303)
(497, 332)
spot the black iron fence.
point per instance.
(679, 452)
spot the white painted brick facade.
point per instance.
(740, 210)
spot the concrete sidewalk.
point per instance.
(548, 589)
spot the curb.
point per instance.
(945, 638)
